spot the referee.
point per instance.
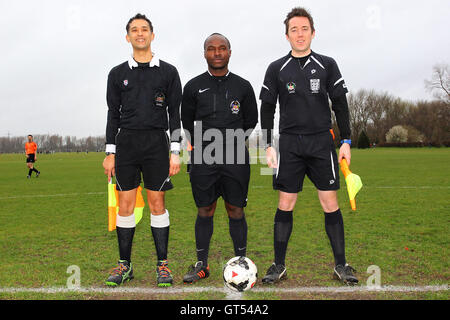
(143, 96)
(222, 102)
(302, 82)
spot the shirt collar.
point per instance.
(153, 63)
(225, 76)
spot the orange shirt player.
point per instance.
(31, 151)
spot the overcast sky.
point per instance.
(56, 55)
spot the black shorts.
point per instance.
(313, 155)
(143, 152)
(210, 181)
(31, 158)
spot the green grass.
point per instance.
(60, 219)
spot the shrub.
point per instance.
(397, 134)
(363, 141)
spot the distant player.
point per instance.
(302, 82)
(220, 101)
(143, 96)
(31, 153)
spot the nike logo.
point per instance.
(202, 90)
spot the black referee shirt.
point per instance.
(226, 102)
(143, 97)
(303, 93)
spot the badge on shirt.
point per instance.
(160, 98)
(291, 87)
(314, 85)
(235, 107)
(125, 82)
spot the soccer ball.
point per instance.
(240, 274)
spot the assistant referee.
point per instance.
(303, 81)
(143, 96)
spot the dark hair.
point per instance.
(298, 12)
(30, 135)
(139, 16)
(217, 34)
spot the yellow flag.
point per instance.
(353, 181)
(113, 205)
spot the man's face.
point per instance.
(140, 35)
(30, 138)
(217, 52)
(300, 35)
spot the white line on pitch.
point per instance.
(182, 188)
(230, 294)
(52, 195)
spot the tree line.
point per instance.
(49, 143)
(378, 117)
(383, 118)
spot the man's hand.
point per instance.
(109, 165)
(344, 152)
(271, 157)
(174, 164)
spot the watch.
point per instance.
(177, 152)
(109, 153)
(267, 146)
(346, 141)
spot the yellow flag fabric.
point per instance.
(113, 205)
(353, 181)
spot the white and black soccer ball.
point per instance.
(240, 274)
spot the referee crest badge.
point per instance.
(314, 85)
(291, 87)
(160, 98)
(235, 106)
(125, 82)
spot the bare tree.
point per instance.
(377, 106)
(440, 82)
(358, 111)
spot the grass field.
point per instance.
(60, 219)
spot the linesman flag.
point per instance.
(353, 182)
(113, 205)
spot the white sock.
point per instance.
(126, 222)
(160, 221)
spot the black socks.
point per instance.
(125, 239)
(282, 232)
(161, 239)
(204, 227)
(334, 226)
(30, 171)
(238, 233)
(203, 232)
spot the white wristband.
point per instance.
(175, 146)
(110, 148)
